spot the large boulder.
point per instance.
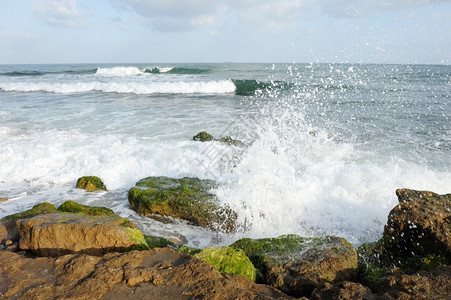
(72, 228)
(298, 265)
(185, 198)
(418, 231)
(56, 234)
(152, 274)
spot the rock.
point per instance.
(3, 199)
(203, 136)
(8, 243)
(159, 242)
(55, 234)
(186, 198)
(228, 260)
(152, 274)
(38, 209)
(344, 290)
(297, 265)
(422, 285)
(231, 142)
(90, 183)
(74, 207)
(418, 231)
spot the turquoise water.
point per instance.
(326, 145)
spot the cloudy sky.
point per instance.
(88, 31)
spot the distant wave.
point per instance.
(36, 73)
(180, 87)
(247, 87)
(127, 71)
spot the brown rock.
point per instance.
(57, 234)
(345, 290)
(419, 226)
(153, 274)
(422, 285)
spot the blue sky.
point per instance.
(128, 31)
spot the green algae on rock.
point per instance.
(203, 136)
(228, 260)
(227, 140)
(159, 242)
(38, 209)
(185, 198)
(298, 265)
(90, 183)
(74, 207)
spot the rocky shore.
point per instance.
(81, 252)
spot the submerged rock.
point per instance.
(203, 136)
(231, 142)
(90, 183)
(185, 198)
(298, 265)
(228, 260)
(152, 274)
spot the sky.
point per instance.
(304, 31)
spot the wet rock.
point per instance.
(90, 183)
(297, 265)
(185, 198)
(152, 274)
(435, 284)
(3, 199)
(203, 136)
(231, 142)
(344, 290)
(418, 231)
(74, 207)
(228, 260)
(55, 234)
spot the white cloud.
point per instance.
(185, 15)
(60, 13)
(357, 8)
(117, 21)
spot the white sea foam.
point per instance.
(119, 71)
(152, 87)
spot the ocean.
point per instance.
(325, 145)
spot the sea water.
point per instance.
(325, 145)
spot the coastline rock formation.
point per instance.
(95, 259)
(298, 265)
(185, 198)
(151, 274)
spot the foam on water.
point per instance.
(140, 88)
(322, 155)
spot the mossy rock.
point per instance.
(90, 183)
(227, 140)
(229, 260)
(185, 198)
(297, 265)
(38, 209)
(188, 250)
(74, 207)
(158, 242)
(203, 136)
